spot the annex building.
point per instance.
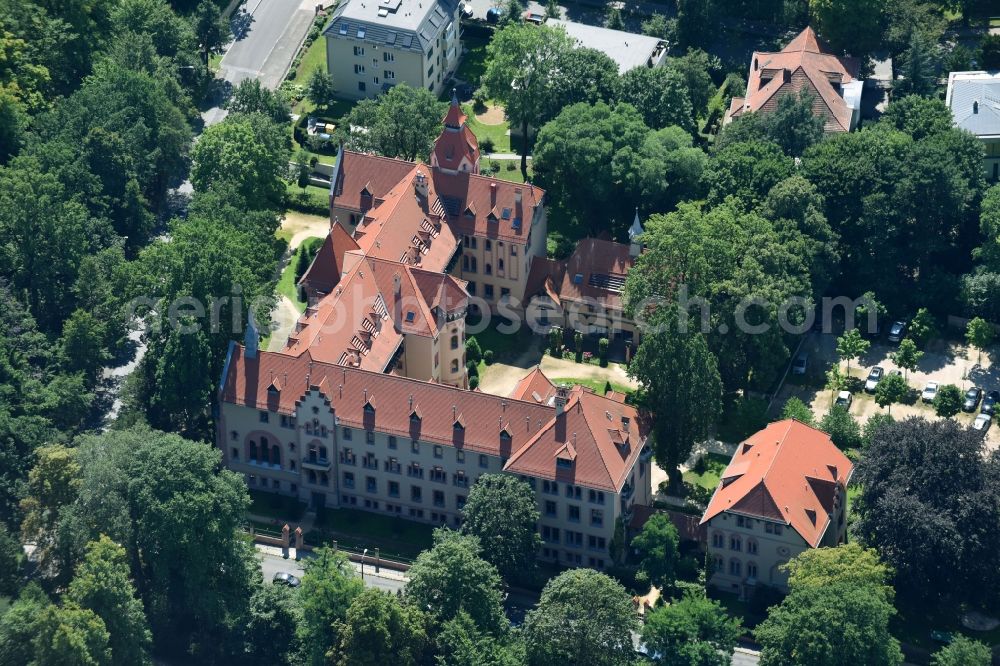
(367, 404)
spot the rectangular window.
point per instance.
(460, 502)
(437, 451)
(488, 292)
(414, 446)
(416, 494)
(371, 485)
(574, 513)
(369, 436)
(359, 68)
(263, 417)
(483, 462)
(459, 456)
(388, 57)
(392, 442)
(438, 498)
(348, 435)
(389, 74)
(359, 50)
(550, 508)
(348, 479)
(361, 86)
(393, 489)
(596, 517)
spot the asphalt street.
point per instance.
(272, 562)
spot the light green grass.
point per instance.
(512, 175)
(286, 285)
(320, 196)
(715, 464)
(498, 134)
(598, 385)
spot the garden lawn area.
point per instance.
(598, 385)
(314, 199)
(314, 58)
(286, 285)
(499, 133)
(473, 62)
(277, 507)
(357, 530)
(715, 464)
(505, 172)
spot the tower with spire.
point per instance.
(635, 236)
(456, 149)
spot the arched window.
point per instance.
(500, 264)
(489, 269)
(252, 451)
(718, 541)
(735, 567)
(454, 365)
(324, 479)
(751, 569)
(735, 543)
(472, 265)
(322, 453)
(236, 453)
(265, 451)
(454, 342)
(719, 565)
(752, 546)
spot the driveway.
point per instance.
(271, 562)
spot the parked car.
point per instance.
(874, 377)
(990, 402)
(494, 14)
(929, 392)
(897, 331)
(534, 17)
(982, 422)
(283, 578)
(466, 9)
(844, 399)
(800, 364)
(972, 397)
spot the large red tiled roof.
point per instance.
(531, 435)
(328, 265)
(804, 65)
(593, 260)
(787, 472)
(358, 172)
(599, 437)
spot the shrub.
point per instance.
(511, 165)
(578, 345)
(473, 352)
(555, 341)
(486, 145)
(473, 383)
(479, 98)
(473, 368)
(602, 350)
(488, 357)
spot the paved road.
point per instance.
(272, 562)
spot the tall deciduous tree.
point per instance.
(453, 577)
(890, 390)
(796, 409)
(851, 346)
(20, 624)
(102, 585)
(948, 401)
(979, 334)
(401, 123)
(661, 95)
(211, 29)
(520, 65)
(502, 513)
(657, 545)
(963, 651)
(907, 356)
(747, 171)
(69, 635)
(319, 87)
(583, 617)
(850, 564)
(252, 97)
(329, 587)
(842, 428)
(461, 643)
(694, 631)
(850, 26)
(271, 631)
(379, 630)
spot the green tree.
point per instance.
(379, 630)
(918, 116)
(452, 576)
(680, 377)
(461, 643)
(922, 328)
(842, 428)
(249, 153)
(583, 617)
(11, 560)
(13, 122)
(83, 343)
(657, 545)
(694, 631)
(211, 30)
(183, 395)
(552, 9)
(102, 585)
(851, 346)
(849, 564)
(890, 390)
(832, 624)
(907, 356)
(403, 122)
(613, 19)
(502, 512)
(53, 483)
(850, 26)
(271, 632)
(329, 587)
(796, 409)
(696, 68)
(70, 635)
(661, 95)
(252, 97)
(696, 22)
(989, 52)
(873, 427)
(948, 401)
(979, 334)
(747, 171)
(20, 624)
(919, 70)
(658, 25)
(963, 651)
(519, 71)
(319, 88)
(582, 75)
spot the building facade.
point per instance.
(784, 492)
(372, 45)
(974, 100)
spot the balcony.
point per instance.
(315, 462)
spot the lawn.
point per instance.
(274, 506)
(286, 285)
(357, 530)
(505, 172)
(313, 198)
(473, 62)
(598, 385)
(498, 134)
(715, 464)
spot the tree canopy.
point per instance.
(502, 512)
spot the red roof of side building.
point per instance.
(598, 441)
(804, 65)
(325, 271)
(358, 173)
(534, 386)
(596, 270)
(531, 435)
(788, 472)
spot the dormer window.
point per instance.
(564, 463)
(369, 409)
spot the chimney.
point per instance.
(493, 195)
(420, 184)
(517, 195)
(562, 395)
(397, 301)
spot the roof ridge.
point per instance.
(600, 452)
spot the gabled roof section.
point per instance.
(805, 65)
(535, 387)
(357, 172)
(974, 100)
(596, 270)
(788, 472)
(327, 267)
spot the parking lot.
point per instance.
(945, 362)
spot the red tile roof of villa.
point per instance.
(596, 270)
(325, 271)
(788, 472)
(534, 386)
(804, 65)
(590, 435)
(361, 172)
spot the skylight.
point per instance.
(409, 316)
(361, 32)
(344, 28)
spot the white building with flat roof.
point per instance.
(627, 49)
(974, 100)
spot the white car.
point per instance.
(874, 377)
(929, 392)
(982, 422)
(844, 399)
